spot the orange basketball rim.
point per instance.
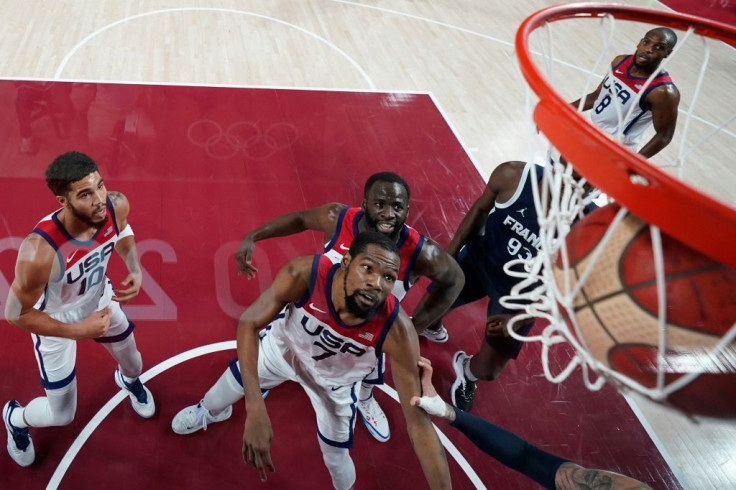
(681, 211)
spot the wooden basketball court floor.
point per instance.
(428, 90)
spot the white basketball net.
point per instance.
(560, 199)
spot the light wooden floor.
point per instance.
(460, 51)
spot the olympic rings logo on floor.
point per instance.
(243, 137)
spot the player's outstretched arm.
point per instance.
(322, 218)
(548, 470)
(35, 265)
(125, 247)
(448, 280)
(289, 285)
(402, 345)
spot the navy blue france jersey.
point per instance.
(512, 230)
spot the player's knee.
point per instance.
(62, 417)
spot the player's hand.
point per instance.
(244, 257)
(496, 325)
(94, 325)
(257, 442)
(133, 281)
(430, 401)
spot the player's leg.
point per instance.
(120, 343)
(487, 364)
(216, 405)
(370, 411)
(56, 358)
(510, 449)
(468, 259)
(335, 412)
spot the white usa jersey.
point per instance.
(331, 352)
(618, 92)
(80, 282)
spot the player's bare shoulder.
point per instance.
(37, 261)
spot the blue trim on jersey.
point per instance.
(55, 385)
(53, 244)
(378, 372)
(403, 235)
(66, 234)
(233, 365)
(412, 261)
(635, 120)
(312, 279)
(45, 236)
(386, 327)
(340, 219)
(50, 385)
(117, 338)
(112, 214)
(358, 216)
(349, 443)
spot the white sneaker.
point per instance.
(374, 419)
(196, 417)
(20, 445)
(440, 335)
(140, 396)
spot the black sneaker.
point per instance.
(462, 392)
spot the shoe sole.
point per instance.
(459, 376)
(376, 435)
(373, 431)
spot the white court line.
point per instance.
(671, 462)
(76, 47)
(352, 61)
(101, 414)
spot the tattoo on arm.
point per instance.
(588, 479)
(115, 197)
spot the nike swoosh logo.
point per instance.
(343, 247)
(335, 388)
(69, 259)
(619, 72)
(311, 305)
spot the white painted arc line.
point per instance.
(101, 414)
(81, 43)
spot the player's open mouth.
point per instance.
(367, 299)
(642, 58)
(100, 213)
(385, 227)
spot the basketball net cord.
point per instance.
(560, 198)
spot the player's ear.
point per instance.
(62, 200)
(345, 260)
(363, 204)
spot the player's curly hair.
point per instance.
(362, 240)
(67, 169)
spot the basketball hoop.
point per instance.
(678, 227)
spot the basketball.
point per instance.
(617, 310)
